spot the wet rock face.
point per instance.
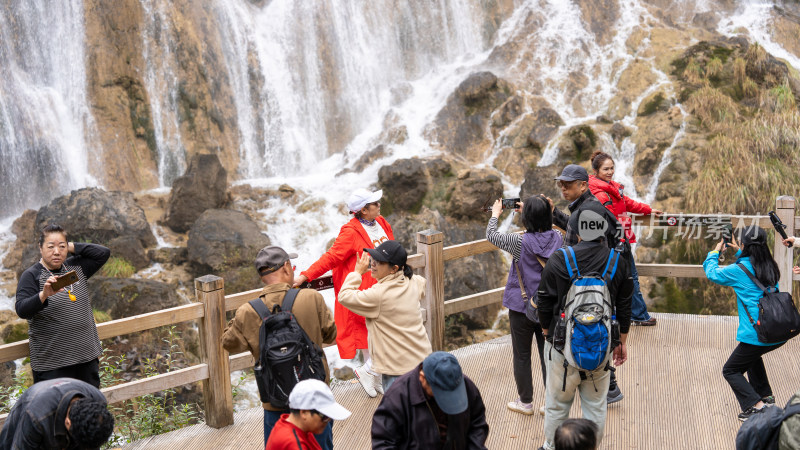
(126, 297)
(547, 123)
(460, 127)
(225, 243)
(471, 191)
(202, 187)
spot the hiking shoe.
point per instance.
(541, 410)
(522, 408)
(645, 323)
(768, 400)
(749, 412)
(366, 381)
(614, 395)
(378, 383)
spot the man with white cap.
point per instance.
(309, 309)
(433, 407)
(312, 407)
(367, 229)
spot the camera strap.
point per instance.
(522, 285)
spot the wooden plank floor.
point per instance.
(675, 396)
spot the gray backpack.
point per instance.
(773, 429)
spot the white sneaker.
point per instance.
(541, 410)
(522, 408)
(366, 381)
(378, 380)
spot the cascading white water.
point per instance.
(161, 81)
(46, 125)
(308, 77)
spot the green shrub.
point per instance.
(117, 267)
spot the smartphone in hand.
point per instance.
(68, 278)
(510, 203)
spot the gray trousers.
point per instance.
(593, 391)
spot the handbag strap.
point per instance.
(758, 285)
(519, 277)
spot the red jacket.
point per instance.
(351, 329)
(287, 436)
(612, 197)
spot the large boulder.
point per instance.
(95, 215)
(547, 124)
(126, 297)
(89, 215)
(461, 126)
(473, 189)
(203, 186)
(130, 249)
(405, 183)
(225, 243)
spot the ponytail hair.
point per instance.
(408, 271)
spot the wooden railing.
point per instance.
(212, 304)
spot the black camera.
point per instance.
(776, 222)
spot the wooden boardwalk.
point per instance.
(675, 396)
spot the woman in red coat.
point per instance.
(611, 195)
(367, 229)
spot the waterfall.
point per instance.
(46, 126)
(309, 77)
(163, 88)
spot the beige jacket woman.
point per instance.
(397, 338)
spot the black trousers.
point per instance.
(88, 372)
(522, 333)
(747, 358)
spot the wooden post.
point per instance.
(217, 395)
(431, 244)
(785, 209)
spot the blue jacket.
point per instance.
(746, 292)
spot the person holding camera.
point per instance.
(398, 341)
(63, 335)
(529, 252)
(754, 392)
(611, 195)
(367, 229)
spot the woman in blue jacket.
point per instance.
(754, 392)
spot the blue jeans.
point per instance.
(638, 306)
(388, 380)
(324, 439)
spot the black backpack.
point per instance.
(778, 319)
(761, 431)
(287, 353)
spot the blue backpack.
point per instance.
(588, 310)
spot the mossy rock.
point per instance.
(15, 331)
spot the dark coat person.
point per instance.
(431, 407)
(63, 413)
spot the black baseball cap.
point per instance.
(573, 172)
(389, 251)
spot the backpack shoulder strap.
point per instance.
(288, 299)
(612, 256)
(791, 410)
(758, 284)
(260, 307)
(574, 262)
(752, 277)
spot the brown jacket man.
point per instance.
(309, 309)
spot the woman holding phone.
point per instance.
(753, 392)
(529, 251)
(61, 328)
